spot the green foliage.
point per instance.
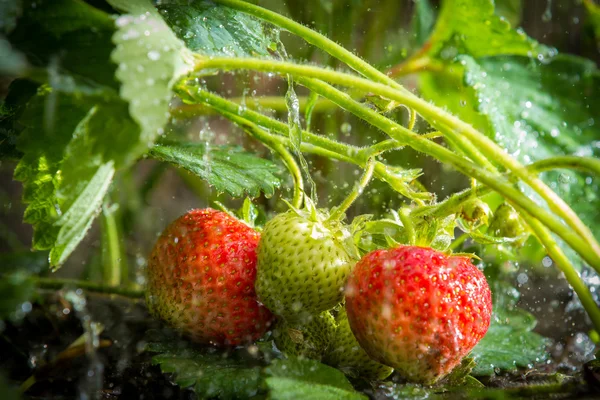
(209, 373)
(423, 21)
(471, 27)
(71, 37)
(509, 343)
(11, 61)
(240, 373)
(150, 59)
(213, 29)
(228, 168)
(554, 115)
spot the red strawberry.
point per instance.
(201, 279)
(417, 309)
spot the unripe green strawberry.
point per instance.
(418, 310)
(303, 264)
(201, 277)
(506, 222)
(309, 340)
(346, 354)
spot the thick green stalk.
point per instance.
(436, 116)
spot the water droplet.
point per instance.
(154, 55)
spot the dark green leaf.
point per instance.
(68, 35)
(423, 21)
(19, 93)
(150, 59)
(508, 349)
(308, 371)
(509, 343)
(229, 169)
(292, 389)
(208, 372)
(213, 29)
(472, 27)
(7, 392)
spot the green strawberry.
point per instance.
(303, 264)
(309, 340)
(346, 354)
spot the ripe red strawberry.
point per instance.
(417, 309)
(201, 279)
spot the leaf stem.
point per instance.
(59, 283)
(357, 190)
(404, 215)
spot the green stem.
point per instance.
(404, 215)
(453, 203)
(278, 148)
(495, 181)
(112, 259)
(275, 103)
(381, 147)
(357, 190)
(316, 39)
(58, 283)
(314, 144)
(439, 118)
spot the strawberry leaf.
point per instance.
(509, 343)
(208, 372)
(472, 27)
(227, 168)
(150, 59)
(214, 29)
(304, 378)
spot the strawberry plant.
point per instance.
(419, 199)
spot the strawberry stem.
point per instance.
(339, 212)
(407, 222)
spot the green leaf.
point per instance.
(422, 22)
(213, 29)
(229, 169)
(538, 110)
(308, 371)
(208, 372)
(292, 389)
(71, 151)
(472, 27)
(70, 35)
(510, 10)
(508, 349)
(509, 343)
(150, 59)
